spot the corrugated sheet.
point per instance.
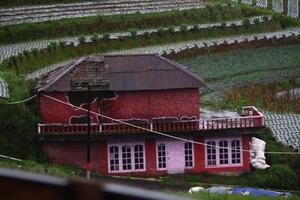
(130, 73)
(3, 89)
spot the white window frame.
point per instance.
(120, 145)
(229, 140)
(193, 160)
(157, 156)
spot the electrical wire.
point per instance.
(19, 102)
(164, 134)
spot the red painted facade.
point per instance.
(127, 105)
(75, 153)
(130, 105)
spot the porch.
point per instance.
(250, 118)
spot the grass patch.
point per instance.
(114, 23)
(41, 168)
(215, 196)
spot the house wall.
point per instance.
(127, 105)
(75, 153)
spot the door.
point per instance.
(175, 157)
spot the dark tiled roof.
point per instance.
(128, 73)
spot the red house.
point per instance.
(147, 91)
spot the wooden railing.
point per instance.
(250, 118)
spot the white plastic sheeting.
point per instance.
(262, 3)
(3, 89)
(278, 6)
(293, 8)
(247, 2)
(257, 155)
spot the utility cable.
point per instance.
(164, 134)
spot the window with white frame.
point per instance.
(126, 157)
(235, 151)
(139, 156)
(188, 154)
(114, 158)
(223, 152)
(211, 153)
(161, 156)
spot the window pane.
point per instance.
(139, 156)
(223, 152)
(235, 152)
(211, 153)
(114, 158)
(161, 155)
(188, 149)
(126, 157)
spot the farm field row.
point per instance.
(176, 47)
(55, 12)
(247, 66)
(115, 23)
(15, 49)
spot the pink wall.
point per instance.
(127, 105)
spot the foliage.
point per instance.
(44, 58)
(246, 66)
(278, 176)
(283, 174)
(41, 168)
(102, 24)
(168, 180)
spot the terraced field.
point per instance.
(247, 66)
(15, 49)
(31, 14)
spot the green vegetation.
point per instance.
(102, 24)
(284, 173)
(12, 3)
(24, 63)
(264, 96)
(216, 196)
(247, 65)
(44, 168)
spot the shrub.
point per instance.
(256, 21)
(278, 176)
(246, 23)
(81, 39)
(62, 44)
(146, 34)
(223, 25)
(35, 51)
(106, 36)
(183, 28)
(26, 53)
(161, 31)
(94, 38)
(265, 18)
(133, 32)
(171, 29)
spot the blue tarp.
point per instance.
(258, 192)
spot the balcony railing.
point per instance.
(250, 118)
